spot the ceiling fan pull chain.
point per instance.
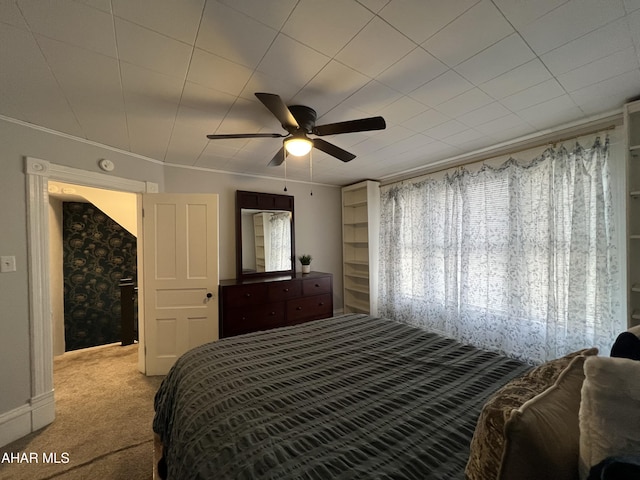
(311, 170)
(284, 153)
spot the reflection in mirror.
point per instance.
(266, 241)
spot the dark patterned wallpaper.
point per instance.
(98, 252)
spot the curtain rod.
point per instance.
(603, 124)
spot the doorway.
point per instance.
(39, 172)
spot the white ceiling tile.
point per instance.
(29, 90)
(419, 20)
(631, 5)
(214, 102)
(618, 89)
(501, 57)
(73, 23)
(272, 13)
(513, 131)
(551, 113)
(206, 70)
(599, 70)
(402, 110)
(604, 41)
(11, 15)
(569, 22)
(466, 136)
(260, 82)
(178, 20)
(148, 49)
(233, 35)
(292, 61)
(91, 83)
(516, 80)
(413, 70)
(533, 95)
(104, 5)
(523, 12)
(374, 5)
(142, 83)
(326, 28)
(446, 129)
(484, 114)
(504, 123)
(634, 29)
(375, 48)
(188, 136)
(333, 84)
(440, 89)
(478, 28)
(465, 102)
(426, 120)
(372, 97)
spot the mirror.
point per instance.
(264, 235)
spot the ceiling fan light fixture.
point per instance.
(298, 146)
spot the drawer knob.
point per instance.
(321, 304)
(272, 313)
(247, 295)
(298, 308)
(317, 285)
(285, 289)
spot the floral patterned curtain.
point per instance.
(520, 259)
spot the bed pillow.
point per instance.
(609, 411)
(542, 437)
(487, 444)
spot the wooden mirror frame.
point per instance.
(262, 201)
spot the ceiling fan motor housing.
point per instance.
(305, 116)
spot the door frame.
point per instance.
(38, 173)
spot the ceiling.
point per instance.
(153, 77)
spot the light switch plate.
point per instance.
(7, 263)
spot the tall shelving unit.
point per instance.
(632, 127)
(360, 242)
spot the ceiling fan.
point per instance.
(300, 121)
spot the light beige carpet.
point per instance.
(104, 410)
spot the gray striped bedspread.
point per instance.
(350, 397)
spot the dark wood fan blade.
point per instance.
(360, 125)
(333, 150)
(278, 158)
(245, 135)
(276, 106)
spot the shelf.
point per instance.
(635, 150)
(356, 224)
(357, 306)
(356, 262)
(635, 287)
(355, 204)
(634, 194)
(635, 315)
(634, 237)
(364, 275)
(357, 288)
(357, 244)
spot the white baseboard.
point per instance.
(23, 420)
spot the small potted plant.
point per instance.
(305, 261)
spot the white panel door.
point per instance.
(180, 250)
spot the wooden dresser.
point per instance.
(261, 304)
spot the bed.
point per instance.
(349, 397)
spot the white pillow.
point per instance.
(609, 410)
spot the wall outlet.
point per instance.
(7, 263)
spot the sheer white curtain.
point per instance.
(279, 255)
(520, 259)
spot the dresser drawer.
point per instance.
(278, 291)
(319, 306)
(242, 295)
(252, 318)
(315, 286)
